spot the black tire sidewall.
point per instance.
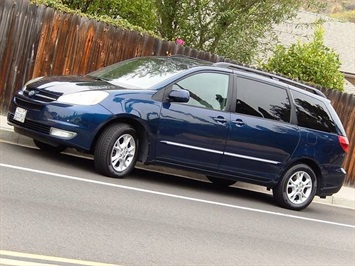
(103, 150)
(280, 191)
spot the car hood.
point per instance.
(69, 84)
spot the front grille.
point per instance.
(41, 95)
(29, 124)
(24, 103)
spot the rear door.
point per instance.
(261, 138)
(193, 134)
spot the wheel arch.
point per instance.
(298, 193)
(309, 162)
(138, 126)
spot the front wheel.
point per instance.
(116, 151)
(297, 188)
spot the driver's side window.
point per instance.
(208, 90)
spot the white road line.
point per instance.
(17, 258)
(174, 195)
(7, 262)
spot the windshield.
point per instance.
(143, 72)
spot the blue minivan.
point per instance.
(229, 122)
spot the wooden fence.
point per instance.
(39, 41)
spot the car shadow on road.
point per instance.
(192, 181)
(159, 176)
(78, 164)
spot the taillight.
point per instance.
(344, 143)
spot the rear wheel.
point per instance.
(220, 182)
(297, 188)
(116, 151)
(49, 148)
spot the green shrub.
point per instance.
(311, 62)
(120, 22)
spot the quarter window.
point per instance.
(208, 90)
(312, 113)
(262, 100)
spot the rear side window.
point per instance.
(312, 113)
(262, 100)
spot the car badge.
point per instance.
(31, 93)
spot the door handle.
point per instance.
(220, 119)
(239, 122)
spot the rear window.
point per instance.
(312, 113)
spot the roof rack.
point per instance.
(272, 76)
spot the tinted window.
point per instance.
(143, 72)
(208, 90)
(262, 100)
(312, 113)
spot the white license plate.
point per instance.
(20, 114)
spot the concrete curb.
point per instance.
(344, 198)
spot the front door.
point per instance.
(193, 134)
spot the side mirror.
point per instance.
(178, 95)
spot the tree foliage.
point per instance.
(230, 28)
(78, 7)
(311, 62)
(138, 12)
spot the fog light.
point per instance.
(63, 134)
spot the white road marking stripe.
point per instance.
(7, 262)
(175, 196)
(15, 255)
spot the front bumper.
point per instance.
(85, 121)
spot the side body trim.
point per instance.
(219, 152)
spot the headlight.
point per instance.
(83, 98)
(31, 81)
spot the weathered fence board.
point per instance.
(344, 104)
(39, 41)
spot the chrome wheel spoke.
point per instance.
(131, 152)
(292, 195)
(117, 163)
(299, 187)
(115, 155)
(123, 152)
(307, 184)
(304, 196)
(126, 141)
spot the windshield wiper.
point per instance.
(99, 78)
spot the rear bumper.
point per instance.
(331, 183)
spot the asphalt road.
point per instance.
(56, 205)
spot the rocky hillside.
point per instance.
(340, 9)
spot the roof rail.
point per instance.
(272, 76)
(181, 55)
(190, 57)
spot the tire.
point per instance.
(297, 188)
(220, 182)
(49, 148)
(116, 151)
